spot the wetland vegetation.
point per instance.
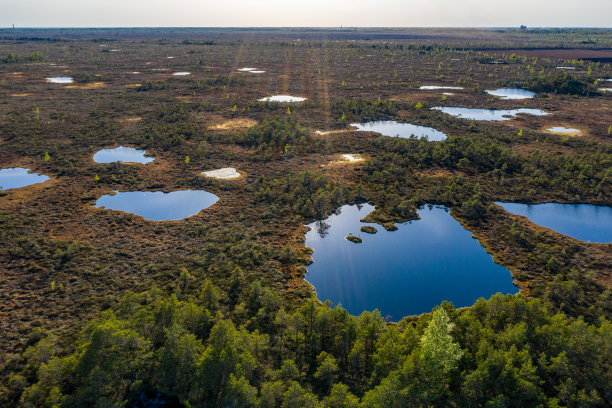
(213, 309)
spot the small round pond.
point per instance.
(122, 154)
(404, 272)
(403, 130)
(586, 222)
(157, 205)
(17, 177)
(488, 114)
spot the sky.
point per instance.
(305, 13)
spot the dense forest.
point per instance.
(201, 348)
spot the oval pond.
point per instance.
(403, 130)
(122, 154)
(157, 205)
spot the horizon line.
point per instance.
(302, 27)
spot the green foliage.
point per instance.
(508, 351)
(440, 353)
(279, 137)
(563, 83)
(364, 110)
(309, 194)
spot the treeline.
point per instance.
(218, 82)
(170, 126)
(14, 58)
(201, 348)
(364, 110)
(279, 137)
(563, 83)
(309, 194)
(581, 173)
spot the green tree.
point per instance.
(440, 353)
(341, 397)
(327, 371)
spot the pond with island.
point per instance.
(158, 205)
(403, 272)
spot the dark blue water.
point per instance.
(404, 272)
(157, 205)
(17, 177)
(403, 130)
(122, 154)
(586, 222)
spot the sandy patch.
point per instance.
(91, 85)
(332, 132)
(346, 159)
(128, 121)
(227, 173)
(132, 85)
(238, 123)
(352, 158)
(561, 130)
(436, 87)
(282, 99)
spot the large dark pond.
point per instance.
(404, 272)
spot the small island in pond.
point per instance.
(368, 229)
(354, 239)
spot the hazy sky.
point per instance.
(312, 13)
